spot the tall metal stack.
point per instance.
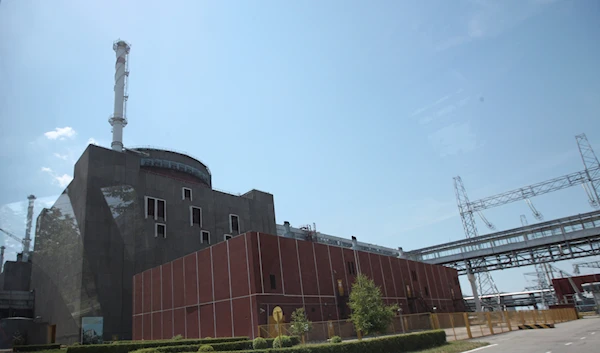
(27, 240)
(118, 120)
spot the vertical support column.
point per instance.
(467, 325)
(473, 282)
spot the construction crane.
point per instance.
(14, 237)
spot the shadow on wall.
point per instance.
(20, 331)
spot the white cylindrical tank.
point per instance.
(118, 119)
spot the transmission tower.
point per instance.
(482, 283)
(542, 277)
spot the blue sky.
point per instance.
(355, 115)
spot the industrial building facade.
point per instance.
(124, 213)
(230, 288)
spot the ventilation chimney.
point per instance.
(354, 243)
(288, 232)
(27, 240)
(118, 120)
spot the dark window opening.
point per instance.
(160, 205)
(161, 231)
(234, 224)
(351, 268)
(150, 206)
(196, 216)
(426, 291)
(187, 194)
(414, 275)
(312, 310)
(205, 237)
(273, 283)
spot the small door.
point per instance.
(52, 334)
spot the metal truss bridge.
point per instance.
(560, 239)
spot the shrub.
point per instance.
(206, 348)
(336, 339)
(300, 323)
(128, 346)
(37, 347)
(178, 337)
(260, 343)
(282, 342)
(369, 312)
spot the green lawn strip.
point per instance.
(455, 347)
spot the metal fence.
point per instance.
(458, 326)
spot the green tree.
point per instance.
(300, 323)
(369, 313)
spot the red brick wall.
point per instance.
(562, 286)
(227, 290)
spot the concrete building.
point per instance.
(231, 288)
(124, 213)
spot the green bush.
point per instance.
(206, 348)
(177, 337)
(260, 343)
(282, 342)
(336, 339)
(129, 346)
(36, 347)
(389, 344)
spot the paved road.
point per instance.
(579, 336)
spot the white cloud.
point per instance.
(454, 139)
(92, 141)
(61, 180)
(60, 133)
(61, 156)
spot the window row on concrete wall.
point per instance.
(156, 209)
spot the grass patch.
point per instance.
(455, 347)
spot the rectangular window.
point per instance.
(195, 216)
(160, 230)
(227, 237)
(351, 268)
(234, 224)
(186, 194)
(161, 210)
(205, 239)
(414, 275)
(150, 206)
(156, 208)
(273, 283)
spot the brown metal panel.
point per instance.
(220, 271)
(242, 320)
(179, 322)
(178, 286)
(223, 317)
(365, 264)
(289, 262)
(339, 269)
(147, 291)
(156, 286)
(137, 327)
(207, 319)
(156, 326)
(388, 276)
(348, 257)
(147, 326)
(191, 322)
(238, 266)
(137, 295)
(271, 265)
(167, 323)
(324, 270)
(191, 279)
(205, 294)
(376, 273)
(308, 271)
(253, 262)
(167, 286)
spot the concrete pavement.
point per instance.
(579, 336)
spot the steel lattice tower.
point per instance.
(482, 283)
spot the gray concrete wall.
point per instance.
(115, 239)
